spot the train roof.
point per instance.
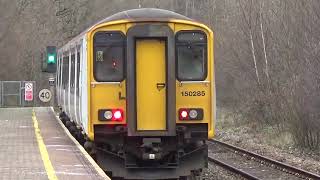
(145, 14)
(142, 14)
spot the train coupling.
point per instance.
(151, 149)
(151, 156)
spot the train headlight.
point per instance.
(108, 115)
(111, 115)
(193, 114)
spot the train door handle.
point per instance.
(161, 86)
(121, 97)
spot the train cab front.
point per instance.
(151, 99)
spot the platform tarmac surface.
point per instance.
(34, 145)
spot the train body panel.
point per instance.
(98, 99)
(140, 86)
(84, 95)
(195, 94)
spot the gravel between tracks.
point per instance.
(256, 142)
(214, 172)
(247, 163)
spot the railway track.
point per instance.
(251, 165)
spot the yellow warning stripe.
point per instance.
(43, 150)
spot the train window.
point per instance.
(72, 80)
(78, 70)
(58, 71)
(108, 57)
(65, 74)
(191, 55)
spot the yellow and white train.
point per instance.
(138, 90)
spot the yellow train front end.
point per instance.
(151, 93)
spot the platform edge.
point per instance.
(83, 151)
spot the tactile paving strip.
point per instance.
(19, 153)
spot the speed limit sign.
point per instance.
(45, 95)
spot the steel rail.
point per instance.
(296, 170)
(233, 169)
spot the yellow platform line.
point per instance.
(43, 150)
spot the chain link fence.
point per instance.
(12, 94)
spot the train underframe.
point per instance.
(140, 157)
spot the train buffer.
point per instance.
(34, 145)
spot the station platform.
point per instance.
(35, 145)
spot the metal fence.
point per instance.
(12, 94)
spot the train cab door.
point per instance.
(151, 84)
(150, 81)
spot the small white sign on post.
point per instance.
(45, 95)
(28, 92)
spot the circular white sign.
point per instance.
(28, 87)
(45, 95)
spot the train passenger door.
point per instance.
(151, 84)
(150, 81)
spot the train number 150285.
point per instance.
(193, 93)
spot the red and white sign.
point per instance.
(28, 92)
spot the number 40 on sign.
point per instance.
(45, 95)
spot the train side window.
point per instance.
(108, 57)
(58, 71)
(78, 70)
(65, 73)
(191, 55)
(73, 71)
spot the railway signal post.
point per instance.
(51, 59)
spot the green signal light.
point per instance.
(51, 59)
